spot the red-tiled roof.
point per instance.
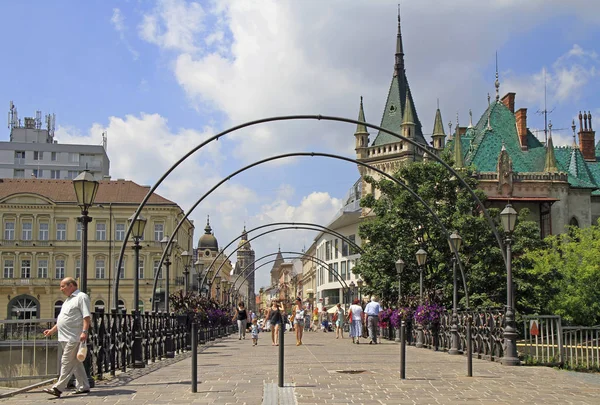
(62, 191)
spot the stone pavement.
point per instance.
(328, 371)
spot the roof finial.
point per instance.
(399, 65)
(438, 103)
(208, 220)
(470, 118)
(574, 138)
(450, 128)
(489, 126)
(497, 82)
(550, 165)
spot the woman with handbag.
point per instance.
(355, 315)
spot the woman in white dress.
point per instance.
(355, 314)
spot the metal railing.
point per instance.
(542, 340)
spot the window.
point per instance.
(344, 248)
(42, 268)
(26, 231)
(55, 174)
(328, 250)
(26, 268)
(59, 269)
(38, 173)
(330, 272)
(141, 269)
(78, 233)
(158, 232)
(120, 232)
(99, 306)
(43, 235)
(100, 231)
(19, 174)
(9, 268)
(53, 156)
(351, 247)
(343, 270)
(71, 174)
(61, 231)
(156, 262)
(23, 307)
(9, 230)
(350, 267)
(74, 158)
(335, 248)
(77, 268)
(38, 155)
(57, 306)
(122, 272)
(121, 305)
(100, 268)
(20, 154)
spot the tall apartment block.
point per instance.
(33, 152)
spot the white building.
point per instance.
(33, 152)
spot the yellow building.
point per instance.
(41, 244)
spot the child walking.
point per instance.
(254, 332)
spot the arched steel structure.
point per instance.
(289, 118)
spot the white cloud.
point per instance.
(173, 25)
(118, 22)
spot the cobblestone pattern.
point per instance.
(234, 372)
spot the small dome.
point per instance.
(208, 240)
(244, 244)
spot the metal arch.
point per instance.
(292, 224)
(322, 262)
(299, 117)
(258, 236)
(312, 154)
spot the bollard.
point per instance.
(194, 357)
(402, 351)
(469, 349)
(281, 330)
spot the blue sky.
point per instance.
(161, 76)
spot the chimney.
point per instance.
(587, 137)
(521, 118)
(509, 101)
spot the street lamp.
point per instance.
(199, 269)
(359, 283)
(399, 269)
(209, 276)
(85, 190)
(511, 357)
(137, 233)
(455, 243)
(218, 286)
(163, 243)
(421, 260)
(186, 259)
(352, 287)
(224, 288)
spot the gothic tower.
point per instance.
(245, 263)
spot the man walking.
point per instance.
(72, 324)
(372, 316)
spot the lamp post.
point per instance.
(163, 243)
(209, 276)
(199, 270)
(421, 260)
(399, 269)
(455, 244)
(224, 289)
(218, 286)
(359, 283)
(511, 357)
(137, 232)
(186, 259)
(85, 190)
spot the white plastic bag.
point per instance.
(82, 352)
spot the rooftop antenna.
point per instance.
(545, 112)
(104, 141)
(38, 119)
(13, 117)
(497, 82)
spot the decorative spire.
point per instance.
(574, 146)
(407, 118)
(470, 118)
(207, 229)
(497, 82)
(361, 128)
(458, 155)
(550, 166)
(489, 126)
(438, 127)
(399, 65)
(450, 129)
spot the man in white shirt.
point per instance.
(372, 317)
(72, 324)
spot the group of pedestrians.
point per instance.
(360, 320)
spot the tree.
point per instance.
(398, 225)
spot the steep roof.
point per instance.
(62, 191)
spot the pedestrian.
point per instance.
(298, 314)
(315, 320)
(339, 321)
(242, 318)
(372, 317)
(324, 320)
(72, 325)
(275, 318)
(355, 315)
(254, 332)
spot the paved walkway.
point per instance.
(234, 372)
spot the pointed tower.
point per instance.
(275, 269)
(458, 152)
(439, 136)
(550, 165)
(245, 263)
(361, 135)
(408, 124)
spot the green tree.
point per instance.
(568, 270)
(398, 225)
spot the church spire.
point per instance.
(438, 135)
(361, 128)
(399, 64)
(458, 154)
(207, 229)
(550, 166)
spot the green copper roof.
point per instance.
(361, 128)
(550, 165)
(438, 126)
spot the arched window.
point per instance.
(23, 307)
(574, 222)
(57, 306)
(99, 306)
(121, 305)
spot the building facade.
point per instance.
(41, 244)
(244, 270)
(32, 152)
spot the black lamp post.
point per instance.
(85, 191)
(186, 259)
(164, 242)
(421, 260)
(455, 244)
(209, 276)
(137, 232)
(399, 269)
(511, 357)
(199, 269)
(218, 286)
(359, 283)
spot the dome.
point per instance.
(208, 240)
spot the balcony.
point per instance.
(35, 282)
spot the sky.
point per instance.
(159, 77)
